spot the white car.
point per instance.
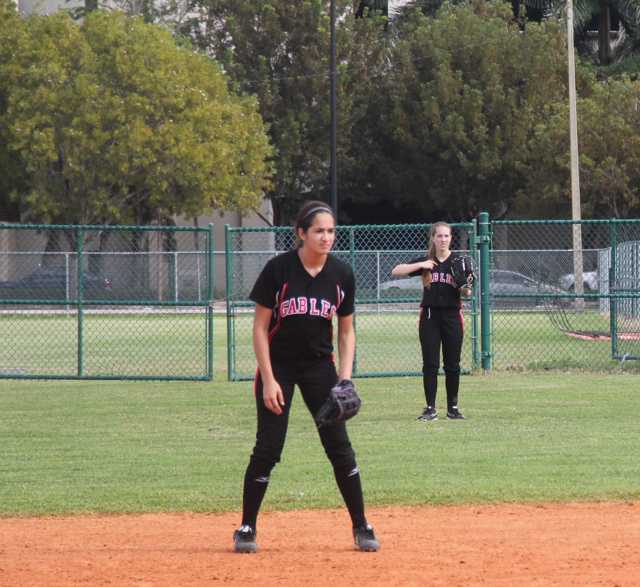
(502, 284)
(406, 283)
(589, 279)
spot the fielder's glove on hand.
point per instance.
(343, 403)
(463, 271)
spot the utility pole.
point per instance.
(576, 214)
(334, 123)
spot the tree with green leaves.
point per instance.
(609, 147)
(278, 50)
(368, 7)
(627, 12)
(455, 115)
(116, 124)
(404, 8)
(586, 11)
(12, 172)
(610, 165)
(169, 13)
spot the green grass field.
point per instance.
(388, 341)
(173, 344)
(146, 344)
(117, 447)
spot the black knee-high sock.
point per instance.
(430, 383)
(351, 490)
(253, 493)
(452, 381)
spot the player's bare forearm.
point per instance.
(346, 346)
(272, 395)
(404, 269)
(261, 342)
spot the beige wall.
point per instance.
(233, 219)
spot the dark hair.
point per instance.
(307, 213)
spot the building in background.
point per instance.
(28, 7)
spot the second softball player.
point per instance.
(441, 321)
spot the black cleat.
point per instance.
(454, 414)
(428, 414)
(365, 538)
(244, 539)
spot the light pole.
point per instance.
(576, 215)
(334, 124)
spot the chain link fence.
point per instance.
(386, 318)
(559, 294)
(564, 294)
(110, 302)
(137, 302)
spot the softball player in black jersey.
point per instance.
(441, 321)
(297, 295)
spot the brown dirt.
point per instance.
(548, 544)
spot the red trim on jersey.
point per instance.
(279, 297)
(333, 354)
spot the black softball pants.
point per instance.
(441, 327)
(314, 379)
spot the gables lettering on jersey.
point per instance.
(303, 305)
(311, 306)
(439, 277)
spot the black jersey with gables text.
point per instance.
(443, 293)
(303, 306)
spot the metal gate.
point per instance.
(106, 302)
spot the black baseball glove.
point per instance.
(343, 403)
(463, 270)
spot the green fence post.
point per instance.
(475, 347)
(352, 252)
(210, 295)
(229, 276)
(613, 305)
(79, 295)
(485, 314)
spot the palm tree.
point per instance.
(626, 11)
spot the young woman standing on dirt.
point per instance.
(441, 321)
(297, 295)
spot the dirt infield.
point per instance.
(548, 544)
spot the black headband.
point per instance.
(317, 209)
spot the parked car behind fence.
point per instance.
(54, 284)
(589, 279)
(502, 284)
